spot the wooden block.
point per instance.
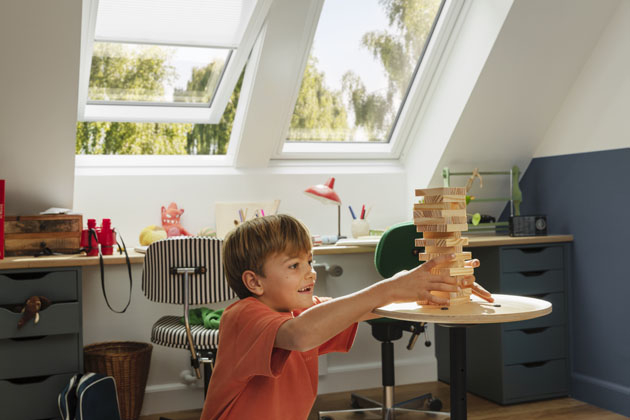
(441, 213)
(445, 199)
(454, 298)
(442, 242)
(443, 249)
(59, 232)
(441, 235)
(454, 271)
(452, 227)
(439, 220)
(441, 191)
(459, 300)
(440, 206)
(458, 256)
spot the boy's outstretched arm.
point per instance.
(321, 322)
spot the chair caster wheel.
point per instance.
(354, 403)
(435, 404)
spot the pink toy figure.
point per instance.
(170, 221)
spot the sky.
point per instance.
(337, 43)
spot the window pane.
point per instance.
(125, 138)
(155, 74)
(363, 59)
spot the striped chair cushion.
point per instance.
(159, 285)
(170, 332)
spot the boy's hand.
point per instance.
(469, 281)
(417, 284)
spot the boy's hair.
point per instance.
(248, 246)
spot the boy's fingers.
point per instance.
(466, 281)
(444, 287)
(429, 265)
(482, 293)
(441, 278)
(472, 263)
(432, 299)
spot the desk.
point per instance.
(506, 308)
(98, 324)
(80, 260)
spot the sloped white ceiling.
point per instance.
(537, 56)
(40, 44)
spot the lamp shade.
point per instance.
(324, 192)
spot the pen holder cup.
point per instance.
(360, 227)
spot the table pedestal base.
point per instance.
(458, 372)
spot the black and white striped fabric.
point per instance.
(169, 331)
(159, 285)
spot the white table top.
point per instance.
(505, 308)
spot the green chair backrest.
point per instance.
(395, 250)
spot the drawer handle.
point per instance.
(533, 273)
(535, 330)
(31, 380)
(27, 276)
(541, 296)
(534, 250)
(531, 365)
(33, 338)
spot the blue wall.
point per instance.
(588, 195)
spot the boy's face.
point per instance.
(288, 282)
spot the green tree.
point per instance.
(370, 109)
(398, 50)
(119, 72)
(210, 139)
(319, 113)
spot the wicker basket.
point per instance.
(128, 362)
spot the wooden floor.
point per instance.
(478, 408)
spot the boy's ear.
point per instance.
(252, 282)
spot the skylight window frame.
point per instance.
(411, 106)
(135, 111)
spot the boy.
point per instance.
(266, 365)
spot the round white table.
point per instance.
(505, 308)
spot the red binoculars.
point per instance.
(94, 237)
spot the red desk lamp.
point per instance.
(326, 194)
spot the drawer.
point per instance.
(531, 258)
(556, 317)
(535, 379)
(58, 286)
(36, 356)
(58, 318)
(32, 398)
(532, 282)
(533, 345)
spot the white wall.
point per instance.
(595, 113)
(39, 69)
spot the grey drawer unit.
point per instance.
(37, 360)
(32, 398)
(517, 361)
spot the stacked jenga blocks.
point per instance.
(441, 217)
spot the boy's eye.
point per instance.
(293, 265)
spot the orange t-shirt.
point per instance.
(254, 380)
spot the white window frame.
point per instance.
(410, 108)
(164, 113)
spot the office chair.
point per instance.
(395, 252)
(186, 271)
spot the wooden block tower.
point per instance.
(441, 217)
